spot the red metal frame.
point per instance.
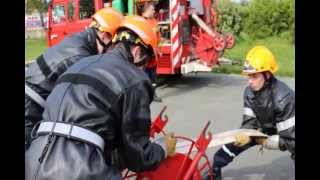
(180, 166)
(159, 123)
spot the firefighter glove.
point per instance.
(241, 139)
(272, 142)
(168, 144)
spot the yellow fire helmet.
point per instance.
(259, 59)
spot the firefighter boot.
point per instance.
(156, 98)
(216, 174)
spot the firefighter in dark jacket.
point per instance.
(269, 106)
(42, 74)
(100, 104)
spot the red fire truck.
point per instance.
(190, 41)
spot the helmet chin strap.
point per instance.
(127, 47)
(265, 76)
(267, 80)
(142, 62)
(104, 45)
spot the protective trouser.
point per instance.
(227, 153)
(152, 74)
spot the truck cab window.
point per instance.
(86, 9)
(59, 15)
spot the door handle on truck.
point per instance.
(53, 36)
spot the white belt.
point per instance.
(71, 131)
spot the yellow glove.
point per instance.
(171, 142)
(168, 144)
(242, 139)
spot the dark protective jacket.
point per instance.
(111, 97)
(272, 109)
(41, 75)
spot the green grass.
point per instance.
(282, 49)
(33, 48)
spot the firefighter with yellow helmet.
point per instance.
(98, 106)
(43, 73)
(269, 106)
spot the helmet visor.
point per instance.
(248, 69)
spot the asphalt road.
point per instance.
(194, 99)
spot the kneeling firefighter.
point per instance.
(269, 106)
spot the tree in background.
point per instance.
(258, 18)
(269, 18)
(230, 17)
(41, 6)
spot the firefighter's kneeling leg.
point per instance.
(228, 152)
(225, 155)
